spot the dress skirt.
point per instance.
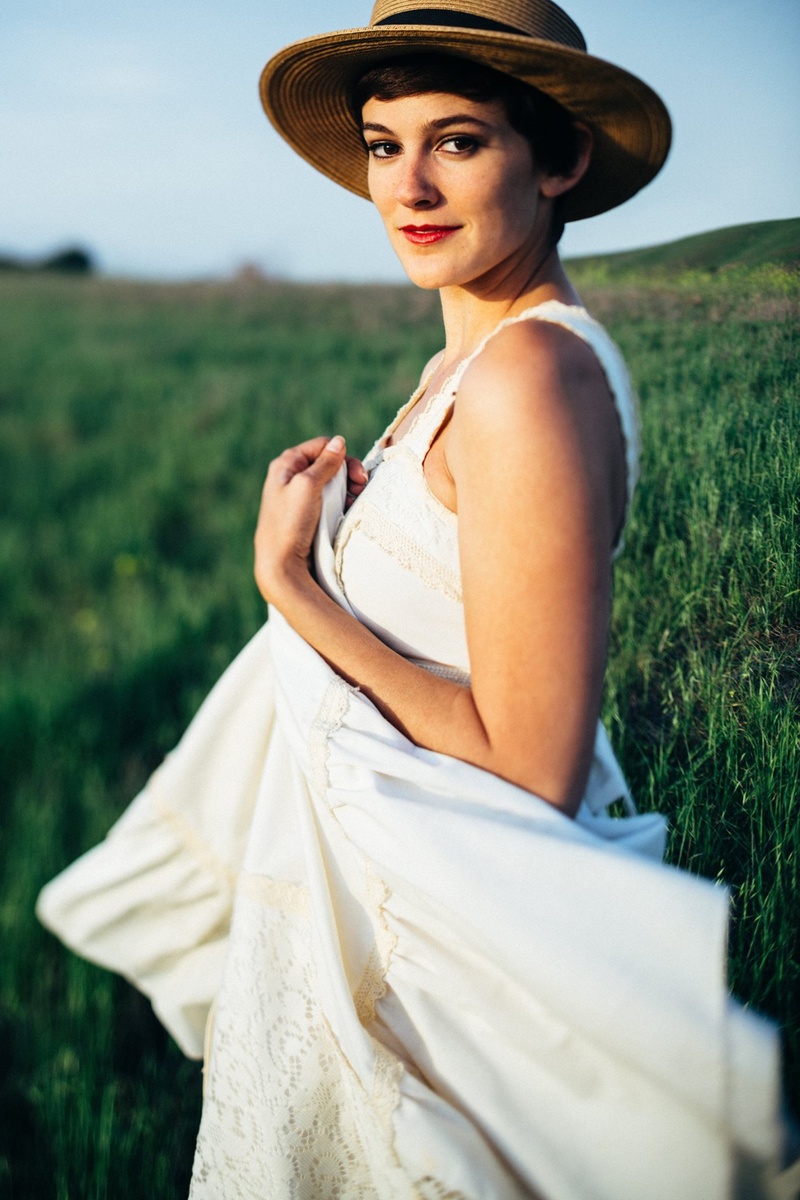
(412, 979)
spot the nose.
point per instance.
(414, 185)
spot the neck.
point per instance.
(473, 311)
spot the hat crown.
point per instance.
(540, 19)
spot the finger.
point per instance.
(295, 459)
(356, 474)
(313, 447)
(328, 462)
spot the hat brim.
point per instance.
(305, 90)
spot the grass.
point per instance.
(135, 426)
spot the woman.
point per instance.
(426, 979)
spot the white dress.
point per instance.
(411, 978)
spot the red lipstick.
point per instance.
(426, 235)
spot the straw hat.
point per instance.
(305, 88)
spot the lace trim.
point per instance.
(386, 1092)
(327, 721)
(276, 893)
(190, 838)
(394, 541)
(425, 428)
(406, 408)
(429, 1188)
(372, 986)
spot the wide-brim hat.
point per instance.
(306, 87)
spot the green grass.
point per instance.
(136, 423)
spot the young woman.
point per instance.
(380, 855)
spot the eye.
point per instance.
(459, 143)
(383, 149)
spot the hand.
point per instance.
(290, 506)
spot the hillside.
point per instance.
(775, 242)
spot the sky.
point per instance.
(136, 131)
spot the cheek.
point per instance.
(519, 197)
(512, 190)
(382, 184)
(376, 192)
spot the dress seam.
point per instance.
(192, 841)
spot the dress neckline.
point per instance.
(452, 381)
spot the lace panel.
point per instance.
(278, 1117)
(374, 525)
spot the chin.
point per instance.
(430, 274)
(431, 281)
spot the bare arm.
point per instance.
(535, 457)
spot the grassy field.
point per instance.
(135, 426)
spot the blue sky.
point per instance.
(136, 130)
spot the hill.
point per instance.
(753, 245)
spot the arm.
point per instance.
(534, 418)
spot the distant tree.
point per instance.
(73, 260)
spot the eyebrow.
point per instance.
(440, 123)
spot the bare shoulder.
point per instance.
(537, 398)
(534, 369)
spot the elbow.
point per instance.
(549, 768)
(551, 763)
(555, 783)
(561, 792)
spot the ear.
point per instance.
(552, 186)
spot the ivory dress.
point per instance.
(413, 979)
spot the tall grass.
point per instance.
(135, 426)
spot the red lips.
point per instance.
(426, 235)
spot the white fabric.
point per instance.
(426, 982)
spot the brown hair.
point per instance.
(543, 122)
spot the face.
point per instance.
(456, 186)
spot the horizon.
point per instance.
(243, 270)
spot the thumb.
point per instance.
(328, 461)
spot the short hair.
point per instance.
(546, 125)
